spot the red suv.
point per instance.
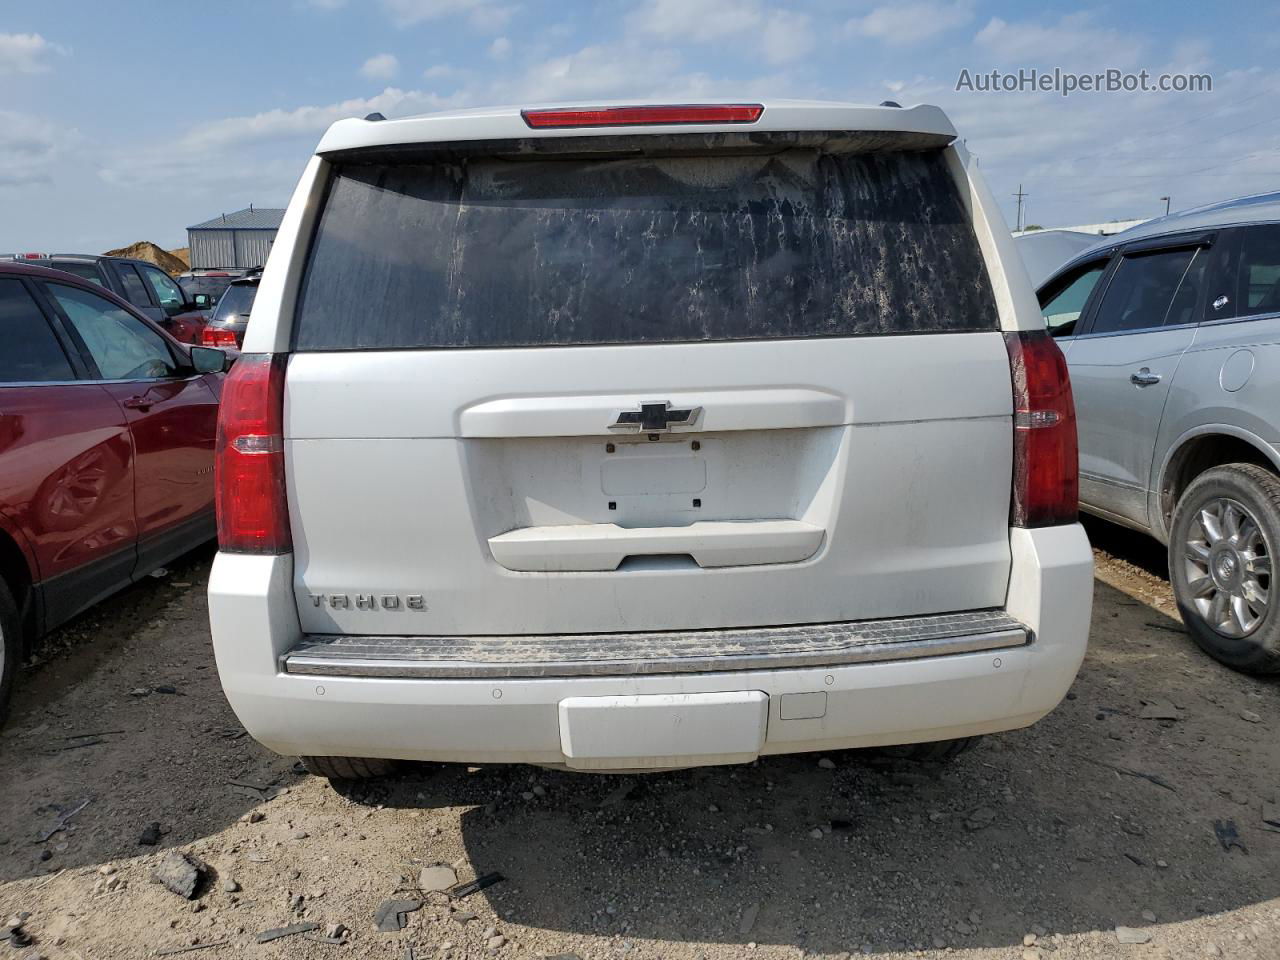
(107, 428)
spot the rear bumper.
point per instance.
(848, 702)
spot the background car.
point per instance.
(230, 317)
(1172, 335)
(1044, 251)
(107, 428)
(143, 285)
(207, 286)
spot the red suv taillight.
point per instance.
(217, 337)
(249, 464)
(1046, 484)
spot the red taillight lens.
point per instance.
(1046, 483)
(249, 465)
(212, 337)
(644, 116)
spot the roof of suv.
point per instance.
(1253, 209)
(86, 257)
(508, 123)
(31, 269)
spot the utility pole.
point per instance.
(1166, 205)
(1020, 196)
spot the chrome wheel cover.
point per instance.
(1227, 565)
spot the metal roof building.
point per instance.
(241, 239)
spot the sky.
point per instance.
(131, 120)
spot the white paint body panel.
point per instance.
(506, 123)
(604, 546)
(662, 730)
(254, 620)
(896, 450)
(403, 467)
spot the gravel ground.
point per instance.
(1040, 843)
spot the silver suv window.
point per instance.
(1258, 271)
(493, 251)
(1152, 290)
(1062, 310)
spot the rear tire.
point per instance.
(939, 751)
(1222, 544)
(349, 768)
(10, 646)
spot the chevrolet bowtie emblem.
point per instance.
(655, 418)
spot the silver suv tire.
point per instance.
(1222, 545)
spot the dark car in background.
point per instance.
(144, 285)
(206, 287)
(226, 327)
(107, 429)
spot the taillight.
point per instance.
(644, 116)
(217, 337)
(1046, 484)
(249, 463)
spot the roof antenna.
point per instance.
(251, 207)
(375, 116)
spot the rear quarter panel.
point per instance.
(1228, 382)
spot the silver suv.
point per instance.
(1170, 331)
(638, 437)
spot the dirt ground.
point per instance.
(1037, 844)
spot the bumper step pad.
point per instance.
(666, 652)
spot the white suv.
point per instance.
(638, 437)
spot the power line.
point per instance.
(1020, 196)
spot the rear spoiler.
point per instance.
(646, 144)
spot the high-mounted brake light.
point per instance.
(1045, 460)
(644, 116)
(253, 516)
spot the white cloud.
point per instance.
(273, 124)
(781, 35)
(1072, 41)
(256, 155)
(29, 146)
(381, 66)
(1093, 157)
(904, 24)
(26, 53)
(598, 73)
(500, 49)
(787, 36)
(699, 21)
(482, 13)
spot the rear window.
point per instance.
(209, 286)
(236, 303)
(81, 268)
(493, 252)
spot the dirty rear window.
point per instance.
(494, 252)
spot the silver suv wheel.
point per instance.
(1222, 542)
(1228, 567)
